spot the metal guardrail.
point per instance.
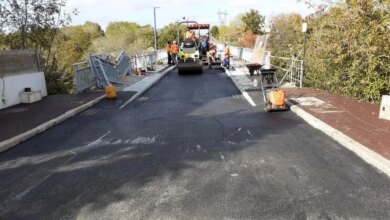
(99, 70)
(84, 77)
(292, 67)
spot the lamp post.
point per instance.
(155, 30)
(304, 30)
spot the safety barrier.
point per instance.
(292, 68)
(100, 70)
(84, 77)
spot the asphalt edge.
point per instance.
(242, 90)
(368, 155)
(9, 143)
(139, 93)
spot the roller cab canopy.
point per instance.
(198, 26)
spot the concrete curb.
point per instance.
(139, 93)
(242, 90)
(7, 144)
(360, 150)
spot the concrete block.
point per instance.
(30, 97)
(384, 111)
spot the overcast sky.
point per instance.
(141, 11)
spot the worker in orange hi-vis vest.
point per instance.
(174, 51)
(168, 50)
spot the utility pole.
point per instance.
(155, 29)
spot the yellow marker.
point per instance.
(110, 91)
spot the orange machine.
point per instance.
(274, 97)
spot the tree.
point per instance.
(2, 40)
(348, 49)
(128, 36)
(286, 38)
(253, 21)
(248, 40)
(24, 17)
(214, 32)
(93, 29)
(169, 33)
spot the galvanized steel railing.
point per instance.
(99, 70)
(84, 77)
(292, 68)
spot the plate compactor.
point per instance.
(274, 97)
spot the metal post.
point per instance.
(304, 61)
(155, 30)
(304, 30)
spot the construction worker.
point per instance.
(210, 56)
(204, 46)
(168, 50)
(227, 55)
(192, 37)
(174, 51)
(187, 34)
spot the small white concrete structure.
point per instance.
(20, 70)
(12, 85)
(384, 111)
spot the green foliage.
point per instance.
(2, 41)
(169, 33)
(253, 21)
(214, 32)
(127, 36)
(348, 50)
(93, 29)
(286, 38)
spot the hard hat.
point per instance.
(174, 41)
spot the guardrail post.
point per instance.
(301, 74)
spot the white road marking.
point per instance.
(250, 134)
(249, 99)
(119, 141)
(98, 141)
(25, 192)
(90, 112)
(234, 174)
(144, 140)
(143, 98)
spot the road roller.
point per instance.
(189, 60)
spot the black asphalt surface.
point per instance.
(189, 148)
(24, 117)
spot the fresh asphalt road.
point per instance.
(189, 148)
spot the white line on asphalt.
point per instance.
(250, 133)
(97, 141)
(21, 195)
(25, 192)
(249, 99)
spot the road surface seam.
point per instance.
(146, 88)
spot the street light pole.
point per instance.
(155, 30)
(304, 30)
